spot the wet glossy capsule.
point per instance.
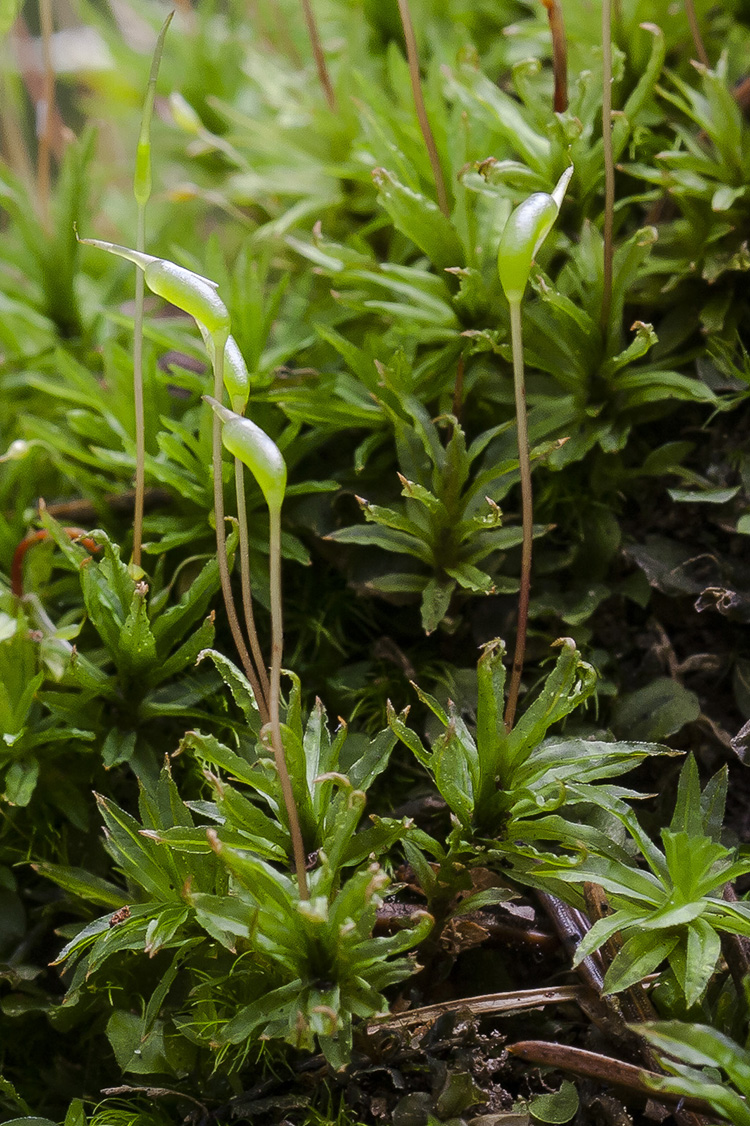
(524, 233)
(189, 291)
(256, 450)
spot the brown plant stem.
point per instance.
(44, 110)
(559, 54)
(277, 648)
(609, 163)
(412, 56)
(527, 506)
(695, 31)
(632, 1004)
(571, 926)
(592, 1065)
(317, 49)
(488, 1004)
(247, 594)
(221, 539)
(78, 535)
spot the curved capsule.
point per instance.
(197, 295)
(189, 291)
(256, 450)
(525, 231)
(236, 375)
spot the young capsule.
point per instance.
(256, 450)
(236, 375)
(189, 291)
(525, 231)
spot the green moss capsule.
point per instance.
(256, 450)
(189, 291)
(525, 231)
(236, 375)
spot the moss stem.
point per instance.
(524, 465)
(221, 539)
(559, 54)
(317, 49)
(247, 594)
(695, 31)
(140, 425)
(412, 56)
(277, 648)
(609, 164)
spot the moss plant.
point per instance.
(199, 297)
(524, 233)
(609, 163)
(142, 193)
(237, 383)
(252, 446)
(424, 122)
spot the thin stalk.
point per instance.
(221, 539)
(559, 54)
(44, 114)
(527, 508)
(608, 1070)
(695, 31)
(320, 59)
(277, 648)
(247, 596)
(142, 193)
(412, 56)
(140, 424)
(609, 162)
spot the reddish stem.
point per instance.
(319, 54)
(16, 568)
(559, 54)
(412, 56)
